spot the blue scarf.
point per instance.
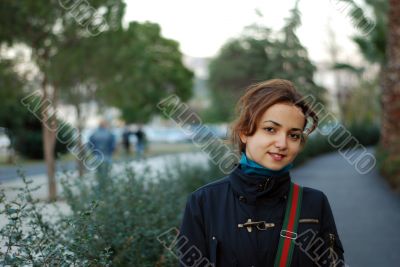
(249, 166)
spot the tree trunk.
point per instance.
(49, 123)
(390, 132)
(81, 168)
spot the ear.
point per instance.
(243, 138)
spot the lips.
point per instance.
(276, 156)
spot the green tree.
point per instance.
(131, 69)
(381, 47)
(373, 44)
(44, 26)
(11, 90)
(73, 70)
(138, 68)
(362, 106)
(259, 55)
(22, 127)
(390, 126)
(371, 37)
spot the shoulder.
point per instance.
(315, 199)
(313, 193)
(211, 188)
(204, 196)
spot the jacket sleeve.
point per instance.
(191, 241)
(332, 252)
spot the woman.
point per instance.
(256, 216)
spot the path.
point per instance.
(366, 211)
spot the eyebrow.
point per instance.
(277, 124)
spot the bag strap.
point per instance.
(288, 233)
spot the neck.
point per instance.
(250, 166)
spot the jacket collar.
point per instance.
(257, 188)
(250, 166)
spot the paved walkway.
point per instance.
(366, 211)
(8, 173)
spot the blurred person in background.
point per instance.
(140, 142)
(104, 142)
(126, 142)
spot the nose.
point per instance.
(281, 142)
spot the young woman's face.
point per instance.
(277, 140)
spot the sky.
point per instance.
(202, 27)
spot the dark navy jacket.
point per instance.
(210, 236)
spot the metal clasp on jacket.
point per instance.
(261, 225)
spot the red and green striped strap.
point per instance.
(289, 229)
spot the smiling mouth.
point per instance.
(276, 156)
(283, 155)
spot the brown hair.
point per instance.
(257, 99)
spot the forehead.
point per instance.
(288, 115)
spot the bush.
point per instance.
(114, 221)
(28, 239)
(25, 130)
(389, 166)
(28, 141)
(134, 208)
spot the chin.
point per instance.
(275, 166)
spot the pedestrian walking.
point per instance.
(140, 142)
(103, 141)
(256, 216)
(126, 143)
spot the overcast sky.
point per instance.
(202, 27)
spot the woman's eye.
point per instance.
(269, 129)
(295, 136)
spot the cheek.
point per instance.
(261, 141)
(295, 148)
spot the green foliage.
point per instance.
(44, 25)
(132, 69)
(139, 68)
(362, 106)
(373, 30)
(133, 209)
(256, 56)
(348, 67)
(11, 85)
(28, 141)
(389, 166)
(373, 45)
(129, 68)
(30, 239)
(114, 221)
(25, 130)
(366, 134)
